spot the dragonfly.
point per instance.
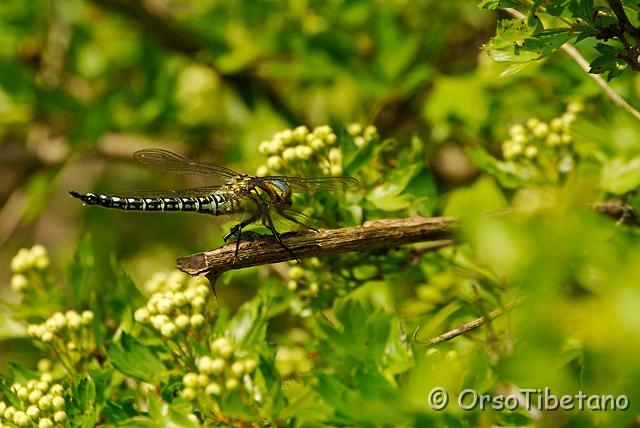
(249, 199)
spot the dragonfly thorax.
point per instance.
(279, 191)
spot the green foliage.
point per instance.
(520, 42)
(97, 332)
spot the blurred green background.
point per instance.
(84, 84)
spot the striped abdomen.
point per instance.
(212, 204)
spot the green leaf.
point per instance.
(82, 411)
(136, 360)
(173, 418)
(8, 394)
(249, 325)
(9, 329)
(608, 62)
(620, 176)
(361, 334)
(532, 48)
(499, 4)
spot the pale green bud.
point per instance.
(217, 366)
(532, 123)
(296, 272)
(60, 416)
(168, 330)
(541, 130)
(556, 124)
(45, 402)
(237, 369)
(22, 393)
(45, 423)
(158, 321)
(19, 283)
(303, 152)
(317, 144)
(141, 315)
(190, 380)
(359, 141)
(250, 365)
(370, 132)
(203, 379)
(21, 419)
(34, 396)
(288, 154)
(165, 306)
(203, 290)
(44, 365)
(231, 384)
(552, 139)
(182, 321)
(197, 320)
(57, 390)
(33, 412)
(213, 389)
(264, 148)
(189, 394)
(198, 303)
(300, 133)
(87, 317)
(531, 152)
(354, 129)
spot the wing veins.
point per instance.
(167, 161)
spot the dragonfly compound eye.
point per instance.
(278, 191)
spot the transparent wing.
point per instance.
(288, 219)
(167, 161)
(193, 192)
(311, 185)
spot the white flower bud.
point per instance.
(169, 330)
(141, 315)
(189, 394)
(19, 283)
(190, 380)
(197, 320)
(60, 416)
(213, 389)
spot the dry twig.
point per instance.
(469, 326)
(259, 250)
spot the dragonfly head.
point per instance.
(278, 190)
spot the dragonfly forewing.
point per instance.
(167, 161)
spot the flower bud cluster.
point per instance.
(41, 405)
(219, 373)
(26, 261)
(537, 137)
(362, 135)
(299, 276)
(176, 305)
(65, 332)
(311, 277)
(299, 147)
(292, 361)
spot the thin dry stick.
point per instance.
(584, 64)
(260, 250)
(469, 326)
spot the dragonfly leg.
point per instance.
(237, 232)
(268, 223)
